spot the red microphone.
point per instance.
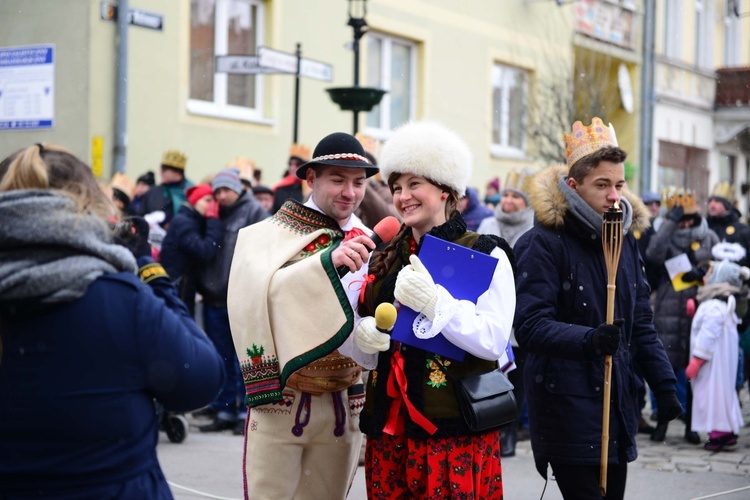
(384, 230)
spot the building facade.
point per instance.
(697, 139)
(487, 69)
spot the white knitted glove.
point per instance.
(369, 339)
(415, 288)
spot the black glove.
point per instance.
(668, 406)
(676, 214)
(132, 233)
(695, 274)
(606, 338)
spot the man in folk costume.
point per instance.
(291, 316)
(724, 220)
(561, 292)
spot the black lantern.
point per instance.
(356, 98)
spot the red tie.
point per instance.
(353, 232)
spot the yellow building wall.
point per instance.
(457, 44)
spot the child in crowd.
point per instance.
(714, 352)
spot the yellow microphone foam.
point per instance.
(385, 316)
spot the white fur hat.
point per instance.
(428, 149)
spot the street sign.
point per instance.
(136, 17)
(275, 61)
(281, 61)
(242, 65)
(287, 63)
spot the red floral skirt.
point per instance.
(466, 467)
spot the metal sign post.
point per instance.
(270, 61)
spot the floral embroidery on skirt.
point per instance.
(464, 467)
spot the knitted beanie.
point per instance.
(228, 178)
(728, 272)
(195, 193)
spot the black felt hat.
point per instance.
(339, 150)
(262, 190)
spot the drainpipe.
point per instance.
(647, 94)
(121, 107)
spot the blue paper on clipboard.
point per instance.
(465, 273)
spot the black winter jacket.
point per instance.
(190, 244)
(561, 290)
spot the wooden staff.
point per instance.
(612, 244)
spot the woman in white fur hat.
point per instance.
(418, 443)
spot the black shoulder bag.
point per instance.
(486, 400)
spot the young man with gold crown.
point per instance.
(291, 316)
(170, 194)
(561, 290)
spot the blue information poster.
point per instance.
(27, 87)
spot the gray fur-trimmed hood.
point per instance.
(550, 205)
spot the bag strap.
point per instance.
(442, 367)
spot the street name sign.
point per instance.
(287, 63)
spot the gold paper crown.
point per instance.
(368, 142)
(123, 183)
(173, 158)
(519, 180)
(300, 151)
(245, 166)
(583, 141)
(678, 197)
(724, 190)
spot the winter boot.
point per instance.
(660, 433)
(508, 438)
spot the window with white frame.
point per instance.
(727, 168)
(732, 37)
(391, 66)
(509, 90)
(673, 28)
(703, 33)
(224, 27)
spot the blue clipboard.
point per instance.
(465, 273)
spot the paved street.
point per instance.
(211, 463)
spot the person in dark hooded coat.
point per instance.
(473, 211)
(724, 219)
(192, 241)
(561, 289)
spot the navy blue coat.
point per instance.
(77, 389)
(475, 212)
(191, 243)
(561, 298)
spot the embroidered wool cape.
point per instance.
(287, 307)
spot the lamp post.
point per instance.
(356, 98)
(357, 13)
